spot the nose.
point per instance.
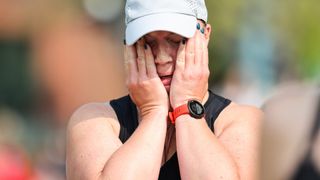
(163, 55)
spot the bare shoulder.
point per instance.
(96, 113)
(238, 128)
(238, 116)
(92, 137)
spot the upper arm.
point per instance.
(92, 137)
(238, 129)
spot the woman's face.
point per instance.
(164, 46)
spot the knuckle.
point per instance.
(150, 62)
(190, 54)
(204, 76)
(140, 59)
(143, 82)
(181, 54)
(198, 74)
(188, 75)
(129, 56)
(152, 75)
(132, 85)
(199, 51)
(180, 60)
(207, 72)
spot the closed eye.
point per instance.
(151, 43)
(175, 39)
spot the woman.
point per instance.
(162, 130)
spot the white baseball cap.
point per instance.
(177, 16)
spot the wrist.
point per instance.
(192, 108)
(157, 112)
(180, 103)
(203, 99)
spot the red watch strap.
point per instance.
(178, 111)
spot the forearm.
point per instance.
(200, 154)
(139, 157)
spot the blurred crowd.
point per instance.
(56, 55)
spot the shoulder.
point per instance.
(92, 136)
(236, 116)
(95, 112)
(300, 100)
(238, 129)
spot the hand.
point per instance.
(144, 85)
(190, 79)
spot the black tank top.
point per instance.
(126, 112)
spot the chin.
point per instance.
(167, 88)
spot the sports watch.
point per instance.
(194, 108)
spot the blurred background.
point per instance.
(56, 55)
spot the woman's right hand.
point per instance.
(144, 85)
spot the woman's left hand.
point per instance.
(190, 79)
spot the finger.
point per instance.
(151, 66)
(198, 49)
(130, 61)
(141, 59)
(181, 56)
(190, 53)
(205, 54)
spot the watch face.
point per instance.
(196, 109)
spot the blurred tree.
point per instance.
(16, 89)
(295, 24)
(298, 27)
(224, 17)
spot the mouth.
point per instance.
(166, 80)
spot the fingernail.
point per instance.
(183, 41)
(145, 46)
(124, 42)
(202, 30)
(198, 26)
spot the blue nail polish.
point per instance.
(198, 26)
(202, 30)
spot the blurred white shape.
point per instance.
(103, 10)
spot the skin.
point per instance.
(161, 76)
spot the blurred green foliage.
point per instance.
(224, 17)
(296, 25)
(305, 27)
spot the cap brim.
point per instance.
(182, 24)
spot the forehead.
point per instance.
(161, 34)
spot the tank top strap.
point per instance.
(127, 116)
(213, 107)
